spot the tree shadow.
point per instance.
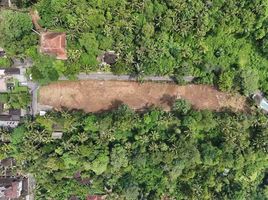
(168, 99)
(115, 104)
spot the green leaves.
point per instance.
(226, 81)
(184, 154)
(14, 27)
(250, 79)
(100, 164)
(118, 158)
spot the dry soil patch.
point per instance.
(96, 96)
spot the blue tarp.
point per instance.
(264, 104)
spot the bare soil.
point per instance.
(97, 96)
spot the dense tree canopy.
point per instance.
(182, 154)
(15, 31)
(201, 38)
(218, 42)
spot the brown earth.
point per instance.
(35, 18)
(96, 96)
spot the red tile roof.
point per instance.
(54, 44)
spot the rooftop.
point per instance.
(12, 70)
(54, 44)
(57, 135)
(264, 104)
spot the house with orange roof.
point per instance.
(53, 43)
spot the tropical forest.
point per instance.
(183, 153)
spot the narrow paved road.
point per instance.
(33, 91)
(110, 76)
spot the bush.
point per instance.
(225, 82)
(181, 106)
(249, 81)
(5, 62)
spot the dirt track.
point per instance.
(96, 96)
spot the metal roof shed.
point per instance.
(264, 104)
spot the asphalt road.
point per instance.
(110, 76)
(33, 91)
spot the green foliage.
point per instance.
(176, 38)
(15, 27)
(17, 135)
(19, 100)
(16, 100)
(45, 69)
(250, 80)
(185, 154)
(99, 165)
(226, 81)
(181, 106)
(5, 62)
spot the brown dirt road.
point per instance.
(96, 96)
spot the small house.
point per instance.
(12, 71)
(10, 118)
(54, 44)
(9, 121)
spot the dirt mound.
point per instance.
(96, 96)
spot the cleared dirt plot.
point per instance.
(96, 96)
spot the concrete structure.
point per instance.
(42, 113)
(10, 118)
(9, 121)
(54, 44)
(264, 105)
(57, 131)
(6, 3)
(14, 186)
(261, 101)
(57, 135)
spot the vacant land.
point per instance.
(96, 96)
